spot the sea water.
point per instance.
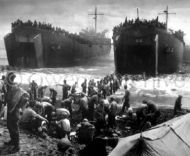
(95, 69)
(3, 61)
(163, 89)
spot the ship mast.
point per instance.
(137, 13)
(95, 14)
(167, 15)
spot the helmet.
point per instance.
(66, 125)
(10, 77)
(144, 101)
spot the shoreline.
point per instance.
(163, 89)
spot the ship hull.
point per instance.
(35, 48)
(141, 49)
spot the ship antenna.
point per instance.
(167, 15)
(137, 13)
(95, 14)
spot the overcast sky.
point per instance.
(72, 15)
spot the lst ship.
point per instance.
(37, 45)
(142, 46)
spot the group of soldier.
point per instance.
(97, 105)
(85, 36)
(31, 110)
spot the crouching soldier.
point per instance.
(153, 112)
(30, 120)
(63, 123)
(85, 132)
(15, 98)
(177, 107)
(67, 103)
(148, 115)
(45, 108)
(63, 128)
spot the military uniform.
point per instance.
(15, 98)
(126, 101)
(53, 95)
(65, 90)
(92, 102)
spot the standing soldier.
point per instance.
(89, 88)
(15, 98)
(91, 106)
(2, 93)
(125, 100)
(83, 102)
(41, 91)
(34, 87)
(115, 85)
(53, 95)
(112, 113)
(73, 88)
(111, 87)
(3, 84)
(65, 90)
(84, 86)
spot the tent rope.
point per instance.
(180, 137)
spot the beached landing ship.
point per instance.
(142, 46)
(35, 44)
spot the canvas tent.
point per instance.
(171, 138)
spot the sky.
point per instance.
(72, 15)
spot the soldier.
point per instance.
(112, 113)
(73, 88)
(53, 95)
(152, 112)
(177, 107)
(125, 99)
(63, 127)
(46, 109)
(41, 91)
(65, 89)
(115, 85)
(67, 103)
(84, 86)
(15, 98)
(3, 84)
(84, 105)
(2, 92)
(91, 104)
(34, 87)
(30, 120)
